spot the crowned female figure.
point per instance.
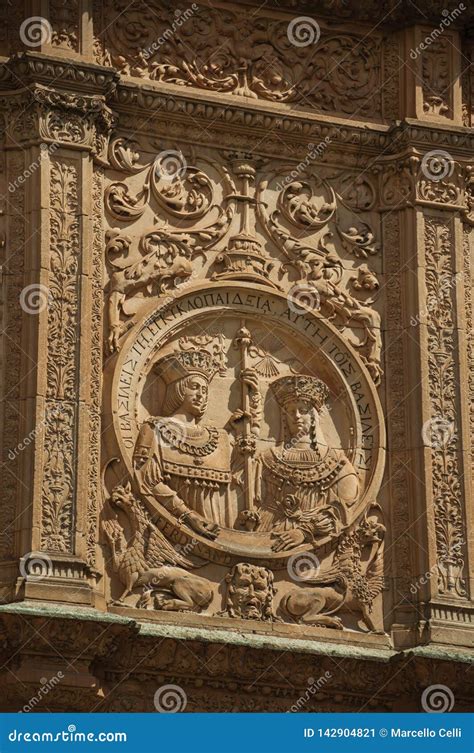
(304, 488)
(181, 459)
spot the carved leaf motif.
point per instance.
(63, 318)
(228, 52)
(59, 477)
(447, 493)
(63, 282)
(121, 204)
(187, 195)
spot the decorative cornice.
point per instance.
(28, 68)
(135, 658)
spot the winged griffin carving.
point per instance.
(147, 560)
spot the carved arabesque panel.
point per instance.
(442, 370)
(59, 481)
(260, 57)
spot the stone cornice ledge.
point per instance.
(230, 637)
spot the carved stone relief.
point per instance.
(258, 59)
(63, 322)
(244, 351)
(442, 344)
(437, 78)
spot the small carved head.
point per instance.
(122, 496)
(371, 531)
(250, 593)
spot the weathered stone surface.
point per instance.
(236, 327)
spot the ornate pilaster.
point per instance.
(424, 197)
(55, 290)
(433, 68)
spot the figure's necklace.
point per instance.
(298, 455)
(198, 442)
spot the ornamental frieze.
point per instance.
(265, 58)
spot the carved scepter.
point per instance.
(247, 443)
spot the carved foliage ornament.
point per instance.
(223, 51)
(63, 322)
(311, 220)
(442, 345)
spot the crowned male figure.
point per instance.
(180, 458)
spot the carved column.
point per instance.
(52, 411)
(429, 391)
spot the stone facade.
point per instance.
(237, 356)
